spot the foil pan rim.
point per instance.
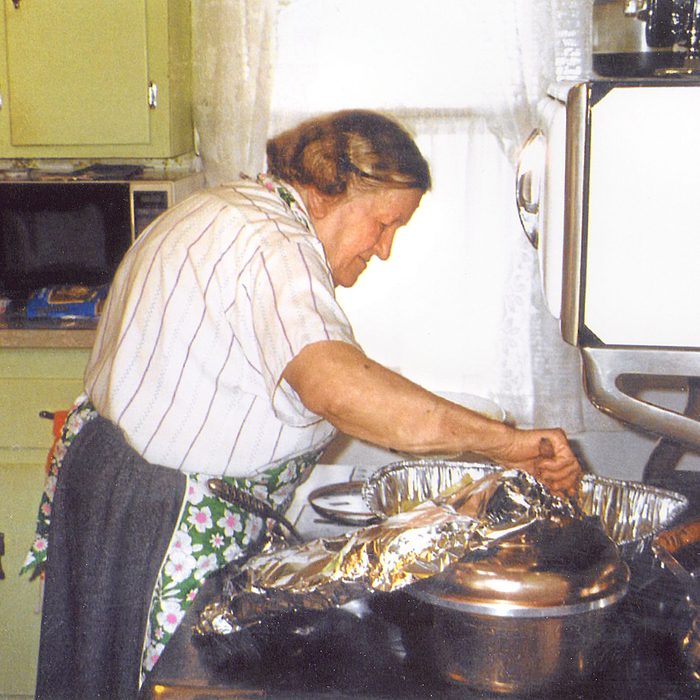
(368, 486)
(677, 502)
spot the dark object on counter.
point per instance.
(346, 648)
(678, 551)
(670, 22)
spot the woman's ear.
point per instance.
(318, 203)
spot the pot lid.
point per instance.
(554, 568)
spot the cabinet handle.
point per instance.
(152, 95)
(16, 4)
(2, 552)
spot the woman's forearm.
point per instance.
(366, 400)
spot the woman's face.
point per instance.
(360, 225)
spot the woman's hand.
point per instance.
(546, 455)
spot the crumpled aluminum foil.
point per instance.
(405, 548)
(630, 512)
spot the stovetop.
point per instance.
(338, 654)
(360, 652)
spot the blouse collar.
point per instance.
(289, 196)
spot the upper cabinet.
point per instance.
(86, 79)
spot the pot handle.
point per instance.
(667, 543)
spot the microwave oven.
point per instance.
(73, 229)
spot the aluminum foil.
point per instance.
(631, 513)
(406, 547)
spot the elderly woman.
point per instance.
(222, 352)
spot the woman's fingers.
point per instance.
(559, 482)
(560, 479)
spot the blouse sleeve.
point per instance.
(293, 305)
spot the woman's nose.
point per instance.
(382, 248)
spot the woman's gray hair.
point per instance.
(361, 148)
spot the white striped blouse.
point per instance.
(205, 312)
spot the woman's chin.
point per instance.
(347, 279)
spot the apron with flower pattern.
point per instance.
(210, 532)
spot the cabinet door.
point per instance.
(78, 72)
(86, 79)
(20, 598)
(96, 89)
(31, 380)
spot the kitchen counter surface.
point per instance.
(345, 656)
(18, 333)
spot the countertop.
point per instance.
(363, 658)
(18, 333)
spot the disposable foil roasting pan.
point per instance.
(631, 513)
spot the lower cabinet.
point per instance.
(20, 599)
(31, 380)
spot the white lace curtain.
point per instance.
(233, 48)
(458, 307)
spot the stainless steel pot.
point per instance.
(528, 616)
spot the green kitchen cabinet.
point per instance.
(85, 79)
(31, 380)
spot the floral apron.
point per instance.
(209, 534)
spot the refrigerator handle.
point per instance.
(529, 179)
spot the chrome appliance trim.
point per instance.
(577, 110)
(603, 366)
(529, 178)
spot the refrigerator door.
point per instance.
(633, 230)
(632, 245)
